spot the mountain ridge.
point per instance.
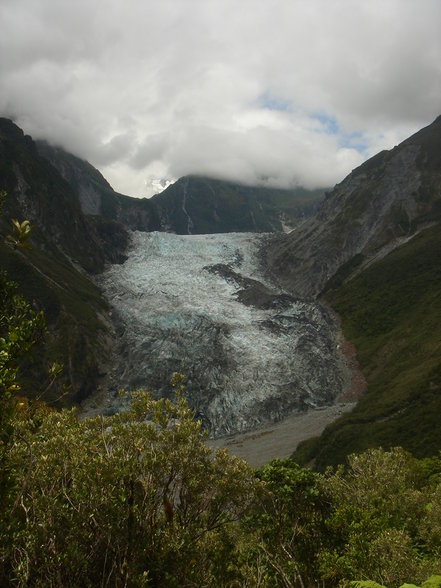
(192, 205)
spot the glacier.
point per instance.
(204, 306)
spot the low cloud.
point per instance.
(280, 93)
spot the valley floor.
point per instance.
(279, 440)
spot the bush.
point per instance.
(120, 500)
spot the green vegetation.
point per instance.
(71, 304)
(20, 328)
(125, 501)
(432, 582)
(120, 500)
(391, 313)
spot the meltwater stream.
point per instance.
(201, 305)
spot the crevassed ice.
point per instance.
(244, 365)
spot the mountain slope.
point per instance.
(198, 205)
(388, 297)
(95, 195)
(391, 313)
(379, 206)
(192, 205)
(36, 191)
(52, 276)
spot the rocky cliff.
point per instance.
(36, 191)
(378, 207)
(95, 195)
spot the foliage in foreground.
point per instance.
(138, 499)
(120, 500)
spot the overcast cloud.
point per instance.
(282, 92)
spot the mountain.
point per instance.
(192, 205)
(373, 252)
(54, 275)
(391, 312)
(37, 192)
(94, 194)
(198, 205)
(378, 207)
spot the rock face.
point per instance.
(96, 196)
(36, 192)
(379, 206)
(201, 306)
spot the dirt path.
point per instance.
(280, 439)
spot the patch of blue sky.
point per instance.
(270, 102)
(329, 125)
(355, 141)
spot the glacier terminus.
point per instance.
(203, 305)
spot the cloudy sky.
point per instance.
(280, 92)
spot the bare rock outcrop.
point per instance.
(380, 205)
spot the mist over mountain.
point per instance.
(192, 205)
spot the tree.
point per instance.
(384, 522)
(289, 522)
